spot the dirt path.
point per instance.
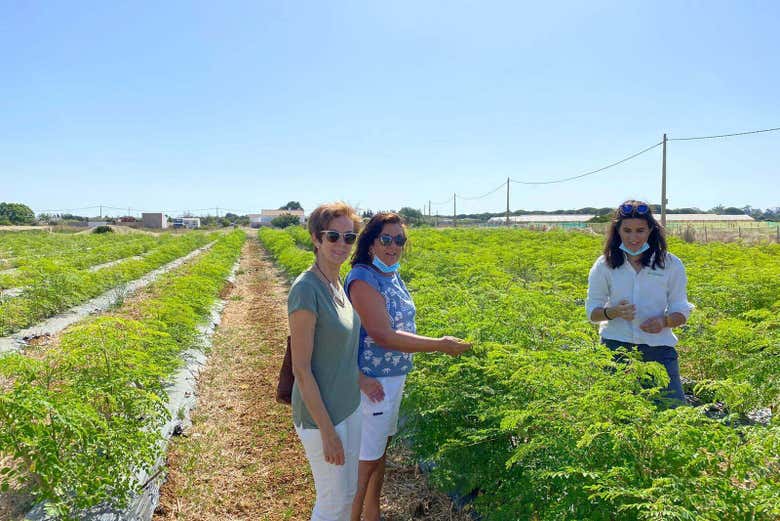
(241, 459)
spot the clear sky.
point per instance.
(247, 105)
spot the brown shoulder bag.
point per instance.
(286, 378)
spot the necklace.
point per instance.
(334, 290)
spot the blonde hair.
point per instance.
(321, 217)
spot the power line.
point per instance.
(496, 189)
(442, 202)
(632, 156)
(724, 135)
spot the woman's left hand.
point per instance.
(371, 388)
(653, 325)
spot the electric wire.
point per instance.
(592, 172)
(723, 135)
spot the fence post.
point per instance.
(705, 233)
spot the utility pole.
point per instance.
(507, 201)
(101, 212)
(454, 211)
(663, 185)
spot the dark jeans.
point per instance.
(664, 355)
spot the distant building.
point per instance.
(559, 220)
(705, 218)
(187, 222)
(254, 220)
(266, 216)
(154, 220)
(95, 224)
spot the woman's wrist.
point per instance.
(607, 315)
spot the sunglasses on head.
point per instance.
(629, 209)
(387, 239)
(333, 236)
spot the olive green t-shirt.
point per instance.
(334, 357)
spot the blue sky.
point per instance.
(247, 105)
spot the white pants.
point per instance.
(335, 484)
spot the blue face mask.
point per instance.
(640, 251)
(384, 268)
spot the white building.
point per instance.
(266, 216)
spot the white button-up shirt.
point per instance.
(654, 293)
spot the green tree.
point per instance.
(285, 220)
(411, 216)
(292, 205)
(17, 213)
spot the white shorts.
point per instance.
(380, 419)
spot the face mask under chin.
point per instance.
(384, 268)
(640, 251)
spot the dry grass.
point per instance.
(15, 503)
(407, 496)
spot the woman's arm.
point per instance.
(370, 306)
(302, 324)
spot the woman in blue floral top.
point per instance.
(388, 337)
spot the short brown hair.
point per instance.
(321, 217)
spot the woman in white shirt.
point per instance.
(637, 291)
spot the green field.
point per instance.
(538, 422)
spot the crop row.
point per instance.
(21, 247)
(110, 250)
(539, 421)
(81, 418)
(54, 288)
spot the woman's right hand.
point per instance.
(332, 448)
(371, 387)
(453, 346)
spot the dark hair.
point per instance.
(370, 232)
(657, 239)
(321, 217)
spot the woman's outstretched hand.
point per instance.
(453, 346)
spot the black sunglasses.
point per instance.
(333, 236)
(628, 209)
(386, 239)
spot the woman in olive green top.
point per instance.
(324, 332)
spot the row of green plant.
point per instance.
(22, 246)
(55, 288)
(539, 422)
(79, 259)
(301, 236)
(80, 420)
(283, 247)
